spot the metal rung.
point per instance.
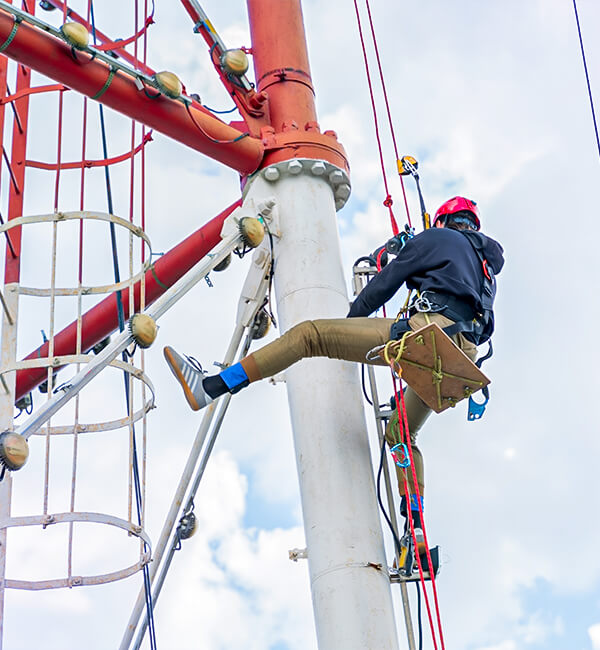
(232, 238)
(397, 578)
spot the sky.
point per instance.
(491, 99)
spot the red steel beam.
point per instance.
(100, 321)
(282, 72)
(12, 267)
(103, 38)
(252, 106)
(281, 61)
(193, 126)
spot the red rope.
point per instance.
(387, 106)
(405, 437)
(32, 91)
(402, 424)
(388, 199)
(143, 161)
(58, 165)
(112, 45)
(102, 162)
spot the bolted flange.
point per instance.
(14, 450)
(335, 177)
(143, 328)
(252, 231)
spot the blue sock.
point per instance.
(235, 378)
(414, 507)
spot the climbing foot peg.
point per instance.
(190, 375)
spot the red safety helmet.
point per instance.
(457, 204)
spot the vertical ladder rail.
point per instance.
(361, 275)
(210, 443)
(251, 300)
(379, 419)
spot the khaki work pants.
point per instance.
(350, 339)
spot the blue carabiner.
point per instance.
(404, 459)
(476, 410)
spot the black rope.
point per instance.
(587, 76)
(121, 317)
(397, 541)
(268, 304)
(419, 617)
(364, 387)
(381, 506)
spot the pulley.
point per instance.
(394, 245)
(24, 403)
(14, 450)
(76, 35)
(101, 345)
(235, 62)
(187, 525)
(168, 83)
(221, 266)
(407, 165)
(143, 328)
(252, 231)
(261, 325)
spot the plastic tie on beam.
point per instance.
(12, 34)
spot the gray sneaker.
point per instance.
(420, 539)
(189, 374)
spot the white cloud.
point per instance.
(504, 645)
(594, 634)
(479, 95)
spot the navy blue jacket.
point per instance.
(437, 259)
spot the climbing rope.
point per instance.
(587, 76)
(388, 110)
(404, 436)
(399, 395)
(388, 201)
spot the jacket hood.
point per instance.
(492, 251)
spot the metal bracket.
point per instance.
(296, 554)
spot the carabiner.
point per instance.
(401, 459)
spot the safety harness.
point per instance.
(476, 326)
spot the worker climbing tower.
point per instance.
(295, 177)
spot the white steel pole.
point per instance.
(348, 572)
(7, 401)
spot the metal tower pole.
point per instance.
(348, 573)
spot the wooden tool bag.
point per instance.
(434, 367)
